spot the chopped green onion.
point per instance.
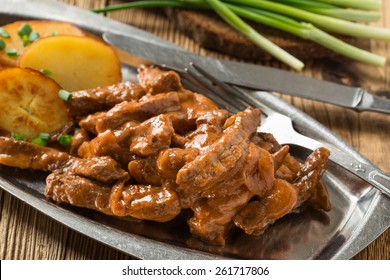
(4, 33)
(25, 29)
(11, 52)
(64, 139)
(2, 45)
(26, 40)
(55, 33)
(64, 95)
(17, 136)
(39, 141)
(33, 36)
(44, 136)
(46, 72)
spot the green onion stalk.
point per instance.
(307, 19)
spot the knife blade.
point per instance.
(250, 75)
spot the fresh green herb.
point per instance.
(307, 19)
(309, 32)
(17, 136)
(44, 136)
(39, 141)
(4, 33)
(55, 33)
(64, 139)
(33, 36)
(11, 52)
(46, 72)
(64, 95)
(237, 23)
(25, 40)
(25, 29)
(2, 45)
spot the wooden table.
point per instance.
(28, 234)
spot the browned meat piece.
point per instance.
(209, 129)
(255, 217)
(151, 136)
(156, 80)
(159, 204)
(169, 161)
(79, 137)
(279, 156)
(102, 169)
(89, 101)
(213, 216)
(146, 107)
(284, 197)
(308, 180)
(78, 191)
(23, 154)
(144, 171)
(89, 122)
(266, 141)
(219, 159)
(106, 144)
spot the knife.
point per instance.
(250, 75)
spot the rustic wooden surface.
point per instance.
(27, 234)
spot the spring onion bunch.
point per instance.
(307, 19)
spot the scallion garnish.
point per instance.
(11, 52)
(25, 29)
(4, 33)
(17, 136)
(25, 40)
(64, 139)
(44, 136)
(55, 33)
(46, 72)
(33, 36)
(2, 45)
(39, 141)
(64, 95)
(307, 19)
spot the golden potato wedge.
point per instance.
(76, 63)
(43, 27)
(29, 103)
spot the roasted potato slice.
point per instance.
(29, 103)
(43, 27)
(76, 63)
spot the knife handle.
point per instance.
(373, 103)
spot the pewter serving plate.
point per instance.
(359, 215)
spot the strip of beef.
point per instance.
(284, 197)
(107, 144)
(24, 155)
(217, 161)
(158, 204)
(147, 107)
(78, 191)
(213, 216)
(144, 171)
(155, 80)
(209, 129)
(151, 136)
(85, 102)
